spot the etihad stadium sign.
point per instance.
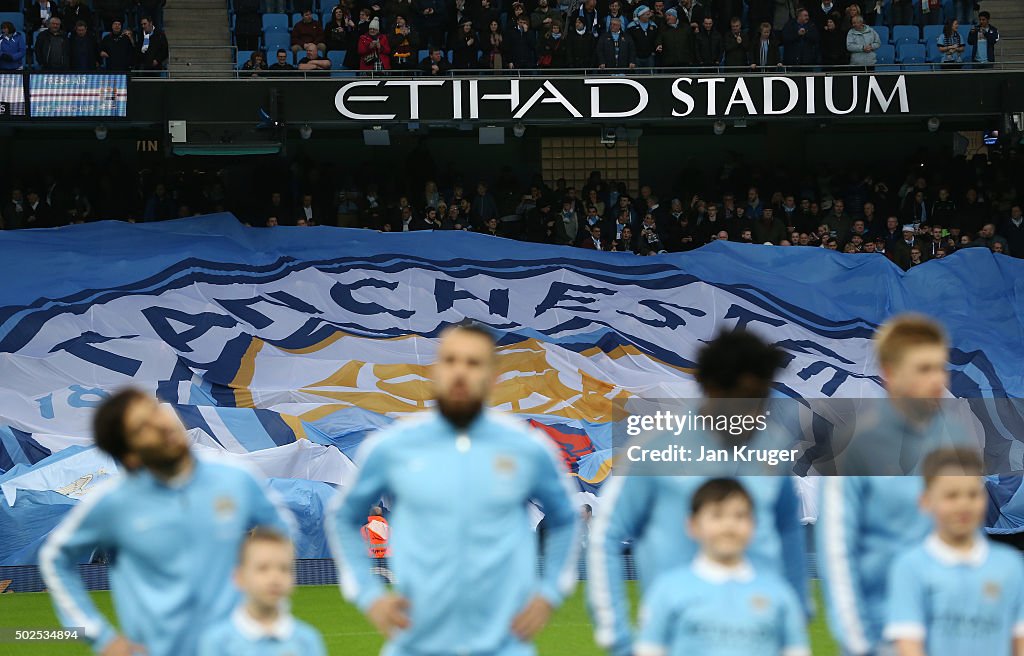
(621, 97)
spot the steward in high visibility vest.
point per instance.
(376, 532)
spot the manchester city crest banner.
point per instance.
(262, 338)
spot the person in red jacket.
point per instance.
(374, 51)
(308, 31)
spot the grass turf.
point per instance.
(344, 629)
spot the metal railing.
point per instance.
(219, 71)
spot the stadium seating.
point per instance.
(275, 23)
(298, 17)
(276, 41)
(886, 54)
(905, 34)
(911, 53)
(337, 58)
(932, 33)
(243, 56)
(883, 33)
(14, 17)
(423, 55)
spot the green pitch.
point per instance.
(343, 627)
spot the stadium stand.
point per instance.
(958, 198)
(922, 32)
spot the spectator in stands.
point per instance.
(314, 63)
(308, 31)
(580, 45)
(117, 49)
(483, 205)
(38, 213)
(800, 38)
(492, 42)
(764, 51)
(615, 48)
(12, 216)
(650, 238)
(710, 46)
(626, 243)
(37, 16)
(691, 13)
(768, 228)
(984, 37)
(544, 16)
(74, 11)
(110, 10)
(12, 47)
(374, 49)
(901, 12)
(431, 196)
(455, 21)
(675, 46)
(944, 209)
(464, 46)
(863, 43)
(566, 226)
(152, 48)
(821, 10)
(153, 9)
(839, 221)
(52, 48)
(308, 210)
(521, 45)
(405, 43)
(83, 49)
(593, 239)
(435, 64)
(256, 66)
(644, 34)
(160, 205)
(338, 29)
(950, 46)
(362, 27)
(852, 9)
(614, 11)
(915, 207)
(737, 46)
(988, 238)
(592, 20)
(1012, 230)
(483, 16)
(282, 62)
(552, 48)
(931, 12)
(433, 18)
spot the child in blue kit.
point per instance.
(262, 625)
(719, 605)
(956, 594)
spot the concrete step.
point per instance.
(206, 40)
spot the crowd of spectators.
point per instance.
(110, 35)
(618, 34)
(929, 212)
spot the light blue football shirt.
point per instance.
(957, 603)
(707, 609)
(241, 635)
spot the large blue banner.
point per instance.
(287, 346)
